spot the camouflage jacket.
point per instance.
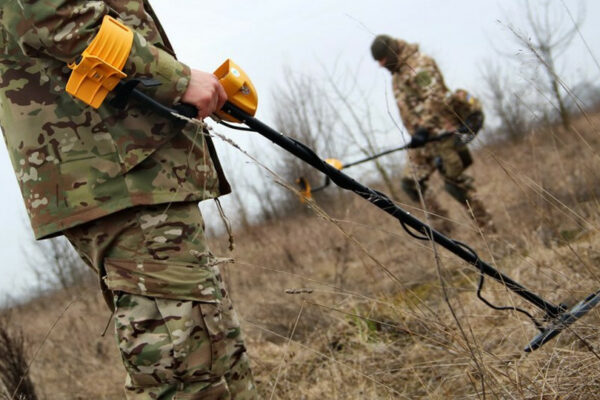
(73, 163)
(420, 92)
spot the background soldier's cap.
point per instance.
(382, 46)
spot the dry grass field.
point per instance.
(324, 320)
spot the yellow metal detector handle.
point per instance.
(239, 88)
(99, 70)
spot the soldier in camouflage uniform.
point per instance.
(428, 108)
(123, 186)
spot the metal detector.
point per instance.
(307, 191)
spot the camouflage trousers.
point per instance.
(177, 331)
(451, 160)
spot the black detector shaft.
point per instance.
(559, 316)
(437, 138)
(375, 156)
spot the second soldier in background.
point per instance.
(428, 108)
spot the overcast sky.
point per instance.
(308, 36)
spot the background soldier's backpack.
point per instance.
(467, 109)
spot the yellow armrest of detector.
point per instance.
(99, 70)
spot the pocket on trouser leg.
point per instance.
(449, 164)
(144, 341)
(240, 380)
(420, 165)
(225, 336)
(228, 350)
(162, 341)
(196, 339)
(163, 279)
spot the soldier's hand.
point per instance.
(419, 138)
(205, 93)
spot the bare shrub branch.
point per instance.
(57, 265)
(303, 113)
(546, 40)
(506, 100)
(356, 118)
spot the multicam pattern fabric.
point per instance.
(424, 101)
(420, 92)
(175, 324)
(422, 97)
(181, 350)
(73, 163)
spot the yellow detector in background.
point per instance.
(335, 163)
(305, 192)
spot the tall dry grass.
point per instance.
(15, 381)
(323, 320)
(360, 334)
